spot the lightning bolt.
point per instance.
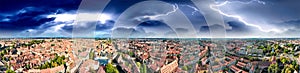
(239, 17)
(154, 17)
(194, 8)
(248, 2)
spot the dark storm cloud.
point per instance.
(260, 17)
(270, 12)
(152, 24)
(238, 27)
(178, 32)
(204, 29)
(183, 30)
(170, 34)
(99, 27)
(29, 17)
(118, 6)
(123, 32)
(194, 15)
(155, 29)
(26, 16)
(15, 5)
(19, 15)
(291, 23)
(292, 28)
(68, 28)
(140, 33)
(231, 26)
(107, 26)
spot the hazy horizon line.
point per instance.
(151, 38)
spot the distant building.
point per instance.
(203, 53)
(201, 69)
(216, 68)
(297, 48)
(101, 70)
(2, 67)
(235, 69)
(88, 65)
(58, 69)
(242, 52)
(255, 52)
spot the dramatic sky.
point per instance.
(242, 18)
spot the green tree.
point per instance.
(4, 51)
(283, 70)
(91, 55)
(52, 44)
(273, 68)
(3, 58)
(60, 60)
(1, 54)
(294, 63)
(111, 69)
(296, 66)
(269, 47)
(248, 47)
(276, 46)
(265, 50)
(226, 69)
(185, 68)
(285, 50)
(283, 59)
(290, 45)
(27, 66)
(9, 71)
(144, 68)
(54, 64)
(47, 65)
(130, 53)
(138, 64)
(261, 47)
(288, 70)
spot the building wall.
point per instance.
(169, 68)
(48, 70)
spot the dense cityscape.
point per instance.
(150, 55)
(149, 36)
